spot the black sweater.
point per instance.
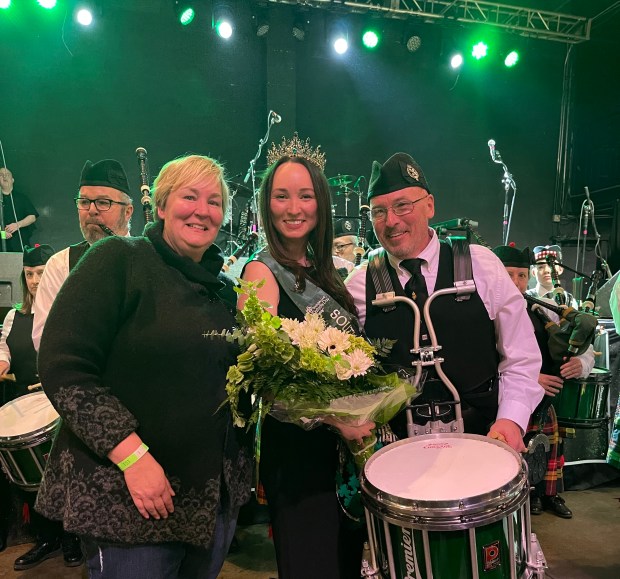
(123, 350)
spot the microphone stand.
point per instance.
(271, 119)
(508, 182)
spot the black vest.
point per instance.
(76, 251)
(23, 354)
(463, 329)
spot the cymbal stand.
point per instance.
(254, 226)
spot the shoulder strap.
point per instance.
(463, 275)
(313, 299)
(377, 266)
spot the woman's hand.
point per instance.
(149, 488)
(349, 432)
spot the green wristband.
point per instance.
(133, 457)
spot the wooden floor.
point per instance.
(584, 547)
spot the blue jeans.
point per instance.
(164, 560)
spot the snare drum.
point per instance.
(449, 505)
(27, 427)
(584, 400)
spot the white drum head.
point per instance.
(442, 468)
(26, 414)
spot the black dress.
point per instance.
(297, 470)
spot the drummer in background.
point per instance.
(18, 356)
(345, 241)
(544, 419)
(147, 465)
(488, 346)
(541, 271)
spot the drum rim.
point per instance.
(447, 514)
(18, 439)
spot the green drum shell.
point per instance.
(448, 515)
(584, 400)
(479, 536)
(447, 554)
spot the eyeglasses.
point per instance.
(340, 246)
(83, 204)
(400, 208)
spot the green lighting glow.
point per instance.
(4, 4)
(511, 59)
(456, 61)
(186, 16)
(370, 39)
(479, 50)
(47, 3)
(224, 29)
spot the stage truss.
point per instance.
(529, 22)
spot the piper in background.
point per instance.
(17, 354)
(104, 208)
(544, 256)
(544, 419)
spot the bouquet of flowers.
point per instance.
(307, 373)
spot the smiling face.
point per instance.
(404, 236)
(293, 204)
(192, 217)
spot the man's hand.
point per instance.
(349, 432)
(509, 432)
(4, 367)
(11, 228)
(571, 369)
(551, 384)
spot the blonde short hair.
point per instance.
(186, 171)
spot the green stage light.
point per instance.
(223, 20)
(224, 29)
(186, 16)
(456, 61)
(5, 4)
(511, 59)
(479, 50)
(84, 16)
(47, 3)
(370, 39)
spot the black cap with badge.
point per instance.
(346, 226)
(398, 172)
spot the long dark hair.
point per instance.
(321, 238)
(26, 306)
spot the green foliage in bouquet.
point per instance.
(303, 366)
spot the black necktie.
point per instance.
(416, 286)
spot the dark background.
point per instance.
(138, 78)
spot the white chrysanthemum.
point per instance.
(293, 328)
(311, 328)
(333, 341)
(359, 361)
(343, 371)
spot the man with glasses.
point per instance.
(104, 208)
(488, 345)
(345, 238)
